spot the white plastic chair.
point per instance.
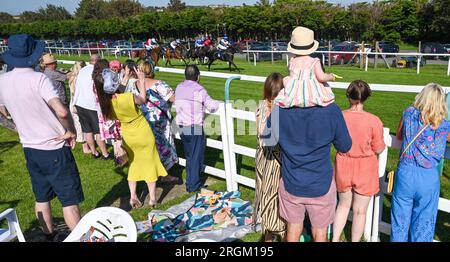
(13, 230)
(109, 222)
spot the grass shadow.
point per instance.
(35, 233)
(5, 146)
(118, 191)
(11, 203)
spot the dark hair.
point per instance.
(272, 86)
(131, 64)
(192, 72)
(103, 98)
(358, 90)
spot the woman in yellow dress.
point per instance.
(138, 139)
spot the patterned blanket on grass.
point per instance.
(211, 211)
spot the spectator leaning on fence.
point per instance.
(305, 136)
(415, 198)
(191, 102)
(357, 170)
(45, 129)
(268, 167)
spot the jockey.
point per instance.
(174, 44)
(223, 44)
(199, 43)
(151, 44)
(208, 42)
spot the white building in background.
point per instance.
(217, 6)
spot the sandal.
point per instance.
(135, 203)
(153, 203)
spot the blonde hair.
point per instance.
(74, 73)
(147, 68)
(432, 104)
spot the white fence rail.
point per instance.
(361, 54)
(118, 51)
(227, 114)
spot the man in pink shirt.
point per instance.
(192, 100)
(46, 132)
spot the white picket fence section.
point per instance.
(227, 114)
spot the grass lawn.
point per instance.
(103, 184)
(406, 46)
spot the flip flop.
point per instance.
(135, 203)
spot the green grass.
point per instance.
(406, 46)
(103, 184)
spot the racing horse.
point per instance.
(227, 56)
(180, 52)
(152, 58)
(199, 54)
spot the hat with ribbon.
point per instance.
(302, 41)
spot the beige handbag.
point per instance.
(391, 174)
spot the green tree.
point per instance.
(176, 5)
(125, 8)
(53, 13)
(29, 17)
(6, 18)
(92, 9)
(435, 21)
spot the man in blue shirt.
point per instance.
(305, 136)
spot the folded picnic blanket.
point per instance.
(211, 211)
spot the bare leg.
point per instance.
(102, 145)
(360, 204)
(44, 216)
(293, 232)
(345, 202)
(71, 216)
(320, 234)
(90, 141)
(134, 200)
(152, 193)
(86, 148)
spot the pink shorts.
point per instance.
(321, 210)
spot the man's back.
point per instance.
(25, 94)
(191, 102)
(305, 136)
(84, 89)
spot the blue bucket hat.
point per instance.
(23, 51)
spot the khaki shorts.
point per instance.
(321, 210)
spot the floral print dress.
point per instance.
(158, 115)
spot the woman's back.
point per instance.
(429, 148)
(366, 131)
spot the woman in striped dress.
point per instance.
(268, 166)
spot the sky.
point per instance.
(16, 7)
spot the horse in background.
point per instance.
(153, 58)
(180, 52)
(199, 54)
(227, 56)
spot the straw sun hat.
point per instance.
(302, 41)
(48, 59)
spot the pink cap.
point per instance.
(114, 64)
